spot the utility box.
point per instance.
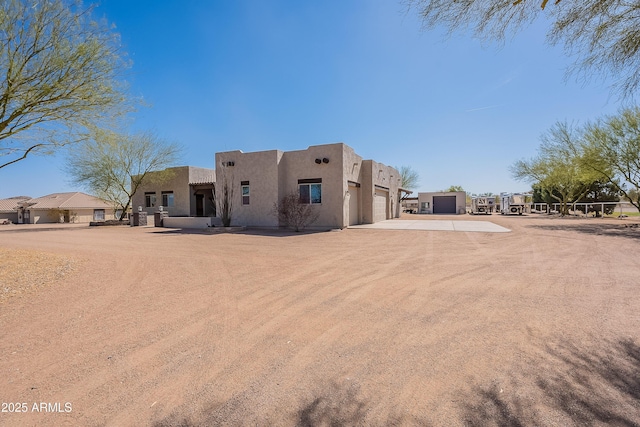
(139, 219)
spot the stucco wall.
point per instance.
(351, 172)
(177, 181)
(273, 174)
(261, 170)
(385, 178)
(76, 216)
(302, 164)
(186, 222)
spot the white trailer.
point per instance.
(482, 205)
(515, 203)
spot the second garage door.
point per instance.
(380, 205)
(354, 203)
(444, 204)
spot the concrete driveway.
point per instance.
(436, 225)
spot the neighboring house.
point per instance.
(181, 191)
(454, 202)
(344, 188)
(72, 207)
(9, 208)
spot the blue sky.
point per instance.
(262, 75)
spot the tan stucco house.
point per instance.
(181, 191)
(73, 207)
(9, 209)
(344, 188)
(442, 202)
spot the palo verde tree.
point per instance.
(60, 71)
(612, 148)
(113, 166)
(454, 188)
(602, 35)
(559, 169)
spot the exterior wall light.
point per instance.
(325, 160)
(318, 161)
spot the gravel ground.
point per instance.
(26, 271)
(538, 326)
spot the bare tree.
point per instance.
(60, 72)
(293, 213)
(409, 179)
(113, 166)
(603, 36)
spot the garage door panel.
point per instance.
(354, 203)
(380, 205)
(444, 204)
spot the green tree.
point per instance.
(542, 195)
(60, 71)
(113, 166)
(559, 168)
(454, 188)
(612, 148)
(602, 35)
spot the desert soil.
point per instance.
(154, 327)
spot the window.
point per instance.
(150, 200)
(98, 214)
(245, 192)
(167, 198)
(310, 190)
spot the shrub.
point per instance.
(294, 214)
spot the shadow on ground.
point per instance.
(624, 229)
(247, 231)
(34, 229)
(559, 383)
(566, 385)
(333, 405)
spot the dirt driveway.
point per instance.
(539, 326)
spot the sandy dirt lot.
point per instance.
(154, 327)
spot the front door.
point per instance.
(199, 204)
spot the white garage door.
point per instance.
(354, 202)
(380, 205)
